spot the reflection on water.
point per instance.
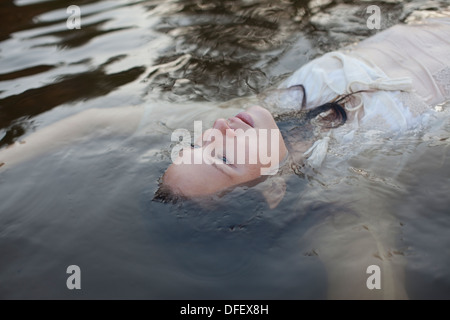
(90, 203)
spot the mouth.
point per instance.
(246, 118)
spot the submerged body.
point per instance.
(405, 71)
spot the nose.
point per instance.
(221, 125)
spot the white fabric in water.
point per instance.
(403, 69)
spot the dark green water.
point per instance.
(89, 203)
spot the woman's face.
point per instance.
(234, 151)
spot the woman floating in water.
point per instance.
(387, 83)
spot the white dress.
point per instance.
(405, 69)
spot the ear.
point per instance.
(273, 190)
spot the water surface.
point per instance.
(89, 203)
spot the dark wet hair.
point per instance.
(302, 117)
(165, 194)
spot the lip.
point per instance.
(246, 118)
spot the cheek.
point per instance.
(248, 146)
(246, 152)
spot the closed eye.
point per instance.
(223, 159)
